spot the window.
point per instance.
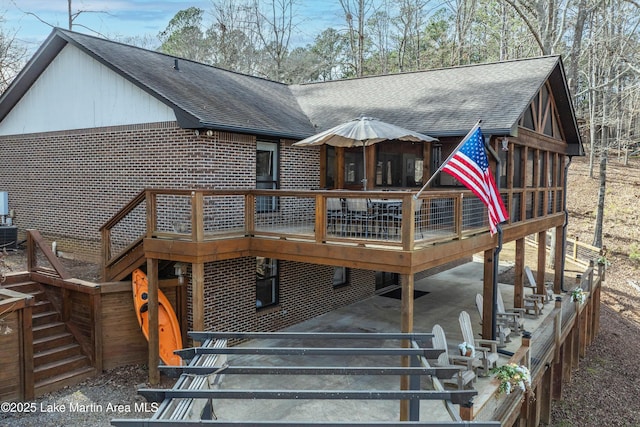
(353, 166)
(266, 174)
(385, 279)
(504, 168)
(340, 276)
(517, 166)
(330, 177)
(529, 168)
(267, 282)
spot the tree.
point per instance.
(329, 48)
(273, 24)
(410, 24)
(184, 36)
(12, 57)
(232, 38)
(355, 13)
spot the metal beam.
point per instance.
(429, 353)
(200, 336)
(447, 372)
(189, 423)
(461, 397)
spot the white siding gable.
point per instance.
(78, 92)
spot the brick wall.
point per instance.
(67, 184)
(306, 291)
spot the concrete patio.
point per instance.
(448, 293)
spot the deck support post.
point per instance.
(406, 326)
(518, 285)
(558, 264)
(154, 335)
(488, 328)
(544, 396)
(542, 262)
(197, 296)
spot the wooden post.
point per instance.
(457, 215)
(544, 396)
(406, 326)
(197, 296)
(518, 285)
(25, 317)
(321, 219)
(557, 366)
(542, 262)
(408, 223)
(106, 251)
(197, 217)
(154, 336)
(181, 305)
(340, 167)
(487, 301)
(96, 332)
(152, 217)
(32, 261)
(249, 214)
(559, 254)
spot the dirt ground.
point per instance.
(603, 389)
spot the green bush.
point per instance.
(634, 253)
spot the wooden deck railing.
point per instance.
(16, 346)
(550, 353)
(77, 301)
(392, 218)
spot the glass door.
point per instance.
(266, 174)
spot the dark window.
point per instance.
(529, 168)
(340, 276)
(267, 282)
(385, 279)
(517, 167)
(353, 166)
(266, 174)
(331, 177)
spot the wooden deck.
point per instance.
(200, 226)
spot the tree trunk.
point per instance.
(597, 235)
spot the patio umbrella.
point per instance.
(363, 132)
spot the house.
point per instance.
(133, 158)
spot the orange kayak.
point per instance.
(168, 326)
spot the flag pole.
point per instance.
(442, 165)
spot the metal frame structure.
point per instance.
(414, 349)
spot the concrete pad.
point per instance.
(449, 293)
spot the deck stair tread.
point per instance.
(60, 367)
(58, 360)
(65, 379)
(44, 317)
(56, 353)
(51, 339)
(40, 331)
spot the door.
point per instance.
(266, 174)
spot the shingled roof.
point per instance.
(443, 102)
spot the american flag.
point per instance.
(470, 166)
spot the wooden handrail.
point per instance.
(133, 203)
(34, 239)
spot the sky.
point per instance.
(130, 18)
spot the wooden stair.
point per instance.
(58, 360)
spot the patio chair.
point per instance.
(513, 318)
(503, 331)
(466, 375)
(548, 289)
(359, 212)
(534, 302)
(335, 214)
(486, 350)
(394, 218)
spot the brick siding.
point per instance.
(67, 184)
